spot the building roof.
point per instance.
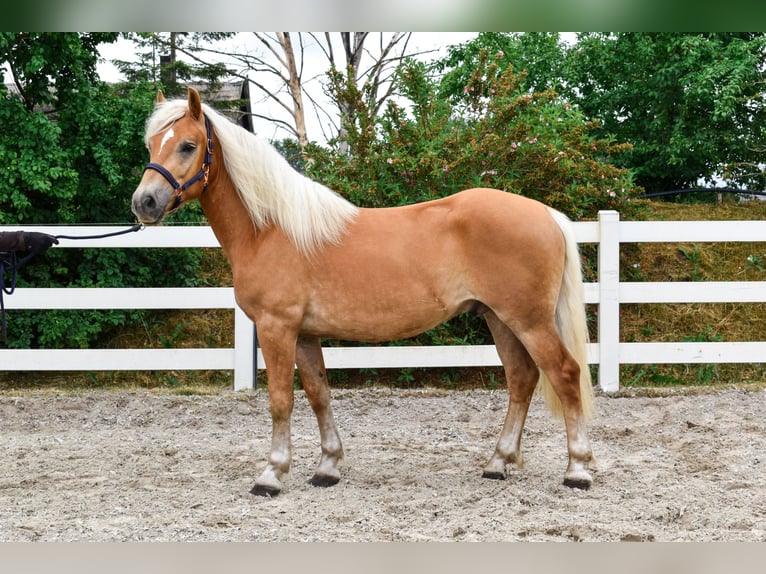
(237, 93)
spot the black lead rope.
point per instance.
(6, 290)
(136, 227)
(13, 265)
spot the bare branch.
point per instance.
(267, 42)
(328, 52)
(277, 68)
(280, 123)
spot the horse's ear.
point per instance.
(195, 105)
(160, 96)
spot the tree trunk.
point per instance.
(296, 91)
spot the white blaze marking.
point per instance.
(168, 134)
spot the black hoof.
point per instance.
(580, 484)
(262, 490)
(494, 475)
(323, 480)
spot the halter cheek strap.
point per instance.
(202, 174)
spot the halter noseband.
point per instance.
(202, 174)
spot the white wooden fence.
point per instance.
(608, 293)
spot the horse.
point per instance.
(308, 264)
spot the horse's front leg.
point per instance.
(279, 355)
(314, 378)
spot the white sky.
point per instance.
(124, 50)
(420, 41)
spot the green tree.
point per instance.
(541, 56)
(159, 60)
(72, 150)
(692, 105)
(500, 135)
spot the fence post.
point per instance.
(244, 351)
(609, 301)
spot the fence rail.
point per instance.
(608, 293)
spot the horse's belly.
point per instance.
(379, 321)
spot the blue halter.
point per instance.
(202, 174)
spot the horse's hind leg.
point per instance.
(314, 378)
(521, 374)
(563, 372)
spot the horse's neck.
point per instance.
(227, 215)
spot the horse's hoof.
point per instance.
(324, 480)
(579, 483)
(494, 475)
(265, 490)
(577, 477)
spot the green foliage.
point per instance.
(540, 55)
(533, 144)
(691, 104)
(73, 155)
(158, 60)
(169, 342)
(755, 262)
(693, 256)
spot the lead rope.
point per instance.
(13, 266)
(6, 290)
(136, 227)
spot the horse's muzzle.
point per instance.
(147, 207)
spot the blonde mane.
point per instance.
(309, 213)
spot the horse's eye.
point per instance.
(187, 147)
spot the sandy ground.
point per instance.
(124, 466)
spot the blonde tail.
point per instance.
(571, 321)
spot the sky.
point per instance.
(123, 49)
(315, 62)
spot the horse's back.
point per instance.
(502, 223)
(481, 209)
(475, 228)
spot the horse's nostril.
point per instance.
(149, 202)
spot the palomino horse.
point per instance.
(308, 264)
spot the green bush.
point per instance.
(534, 144)
(74, 155)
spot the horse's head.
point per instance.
(181, 149)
